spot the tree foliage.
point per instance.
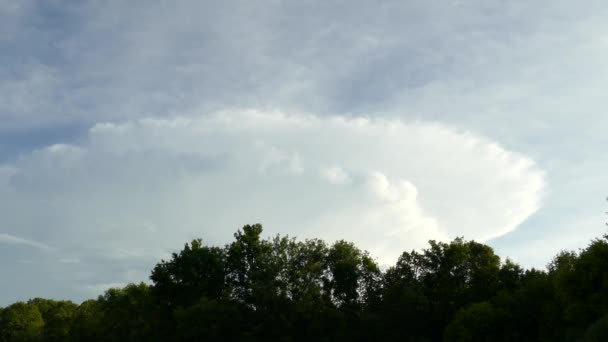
(282, 289)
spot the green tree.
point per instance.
(581, 282)
(212, 320)
(87, 325)
(128, 314)
(530, 312)
(197, 271)
(58, 317)
(343, 262)
(251, 273)
(21, 322)
(454, 275)
(405, 308)
(477, 322)
(509, 276)
(598, 331)
(305, 267)
(353, 277)
(281, 289)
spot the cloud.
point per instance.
(11, 239)
(335, 175)
(136, 189)
(471, 62)
(156, 168)
(69, 260)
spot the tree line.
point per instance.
(282, 289)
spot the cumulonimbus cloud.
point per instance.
(145, 186)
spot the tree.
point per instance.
(281, 289)
(197, 271)
(304, 270)
(405, 308)
(58, 317)
(509, 276)
(581, 282)
(21, 322)
(128, 314)
(87, 325)
(343, 262)
(598, 331)
(530, 311)
(212, 320)
(353, 277)
(477, 322)
(251, 273)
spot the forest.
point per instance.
(282, 289)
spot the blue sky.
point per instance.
(128, 128)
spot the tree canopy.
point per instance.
(282, 289)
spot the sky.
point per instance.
(128, 128)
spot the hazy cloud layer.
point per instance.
(469, 62)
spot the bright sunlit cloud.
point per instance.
(136, 188)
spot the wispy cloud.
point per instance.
(11, 239)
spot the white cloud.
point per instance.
(533, 83)
(12, 239)
(208, 175)
(335, 175)
(69, 260)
